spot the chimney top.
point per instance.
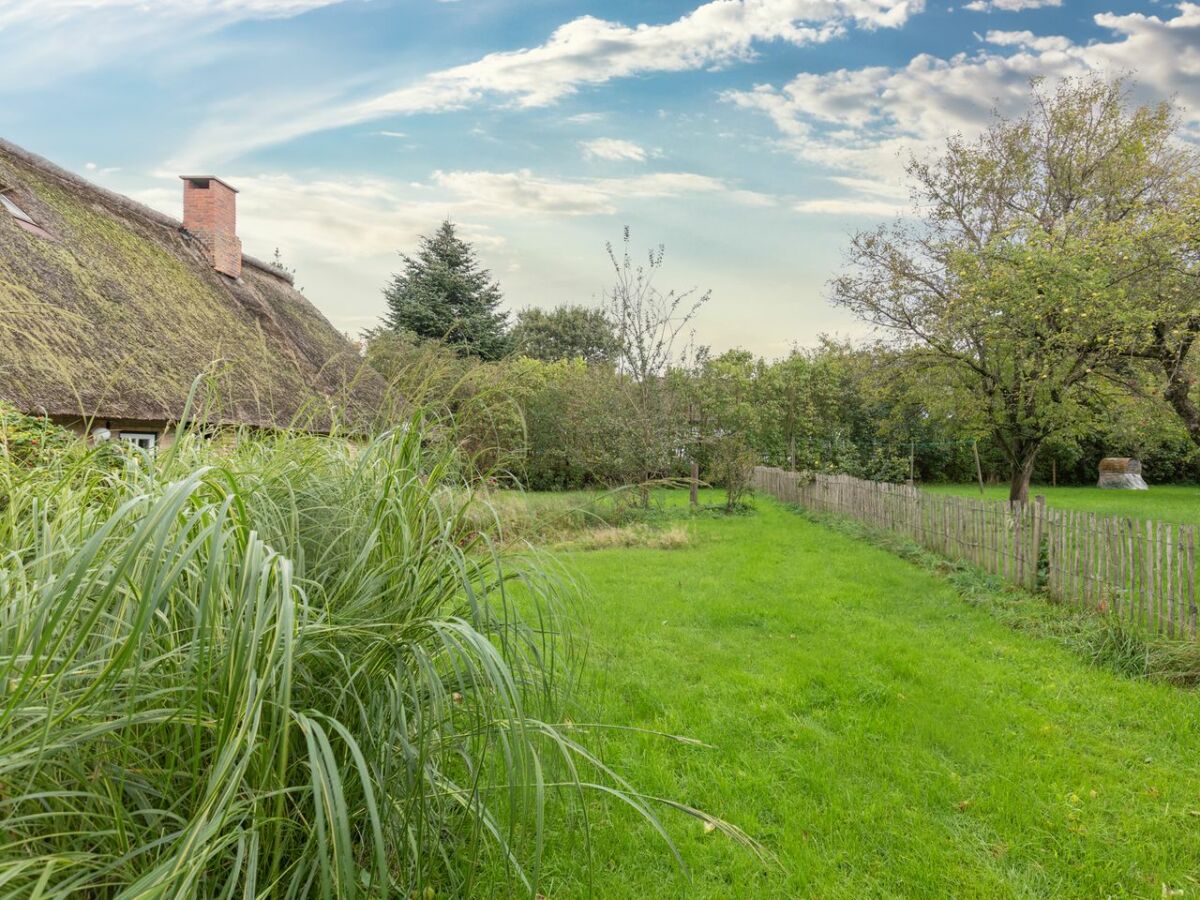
(201, 181)
(210, 214)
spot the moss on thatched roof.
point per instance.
(119, 312)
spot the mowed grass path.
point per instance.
(1178, 504)
(880, 736)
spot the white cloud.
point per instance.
(850, 206)
(94, 169)
(342, 220)
(1029, 41)
(347, 219)
(1009, 5)
(864, 122)
(752, 198)
(589, 50)
(522, 193)
(586, 51)
(613, 150)
(59, 11)
(342, 233)
(45, 40)
(870, 186)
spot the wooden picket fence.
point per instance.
(1141, 571)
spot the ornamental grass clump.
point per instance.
(282, 666)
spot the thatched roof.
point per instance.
(117, 312)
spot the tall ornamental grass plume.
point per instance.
(277, 666)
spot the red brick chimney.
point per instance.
(210, 213)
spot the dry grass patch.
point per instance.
(639, 535)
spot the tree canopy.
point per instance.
(1022, 270)
(565, 332)
(444, 293)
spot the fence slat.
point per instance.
(1143, 572)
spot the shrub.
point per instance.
(26, 439)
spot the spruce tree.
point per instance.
(444, 293)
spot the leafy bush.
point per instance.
(26, 439)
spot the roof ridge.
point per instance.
(271, 269)
(122, 202)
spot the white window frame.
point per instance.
(143, 440)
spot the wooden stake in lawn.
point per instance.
(695, 484)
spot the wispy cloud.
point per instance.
(58, 12)
(586, 51)
(343, 231)
(340, 219)
(523, 193)
(587, 118)
(42, 41)
(1009, 5)
(850, 206)
(589, 50)
(343, 218)
(101, 170)
(613, 150)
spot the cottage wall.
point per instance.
(163, 431)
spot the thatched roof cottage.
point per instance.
(110, 310)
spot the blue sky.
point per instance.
(749, 136)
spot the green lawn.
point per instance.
(875, 732)
(1179, 504)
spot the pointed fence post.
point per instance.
(1039, 518)
(695, 492)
